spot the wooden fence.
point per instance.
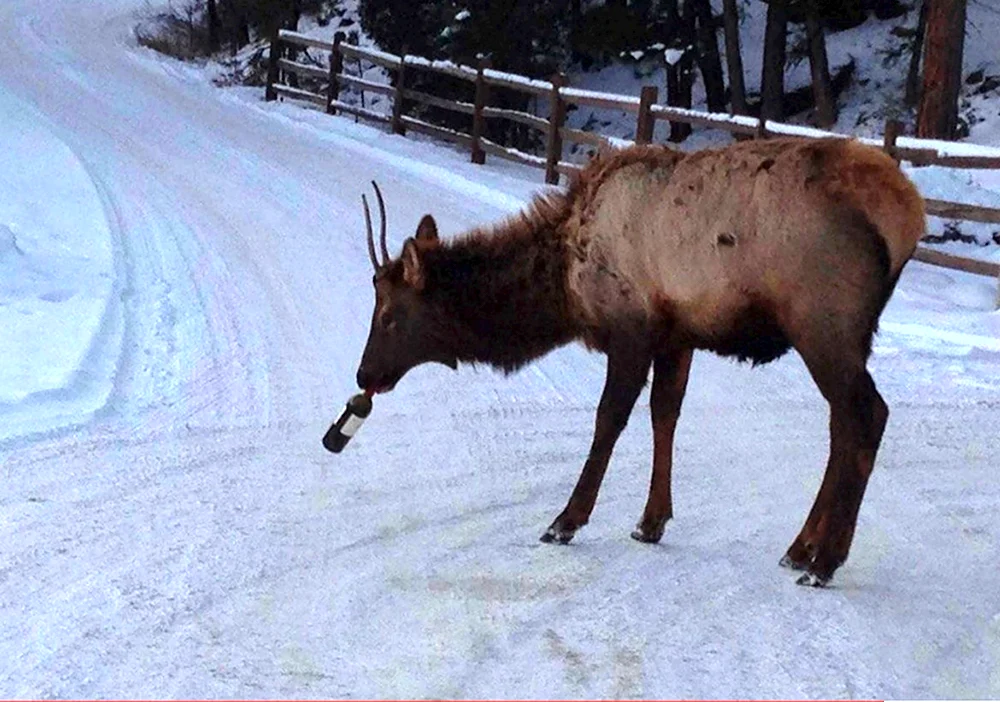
(560, 95)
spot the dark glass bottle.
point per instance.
(357, 410)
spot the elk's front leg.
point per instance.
(626, 376)
(670, 375)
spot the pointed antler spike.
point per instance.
(382, 233)
(370, 234)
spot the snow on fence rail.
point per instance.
(919, 152)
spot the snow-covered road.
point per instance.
(186, 294)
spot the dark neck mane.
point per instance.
(503, 290)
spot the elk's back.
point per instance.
(705, 240)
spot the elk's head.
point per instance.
(406, 329)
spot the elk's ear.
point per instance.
(413, 266)
(427, 230)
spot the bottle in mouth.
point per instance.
(340, 432)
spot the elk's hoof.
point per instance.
(557, 535)
(792, 564)
(651, 536)
(649, 530)
(811, 579)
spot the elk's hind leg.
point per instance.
(831, 322)
(670, 376)
(858, 416)
(628, 368)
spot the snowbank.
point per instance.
(56, 267)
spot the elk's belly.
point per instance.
(704, 307)
(721, 304)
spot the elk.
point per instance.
(650, 254)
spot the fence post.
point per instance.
(761, 132)
(553, 147)
(892, 129)
(646, 122)
(397, 104)
(270, 94)
(478, 122)
(336, 68)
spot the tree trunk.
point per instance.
(938, 115)
(734, 57)
(772, 91)
(575, 16)
(839, 15)
(212, 16)
(238, 23)
(709, 62)
(242, 34)
(673, 64)
(291, 22)
(673, 95)
(642, 8)
(683, 76)
(912, 93)
(826, 106)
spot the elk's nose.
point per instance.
(364, 378)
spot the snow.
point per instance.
(579, 93)
(966, 341)
(515, 79)
(56, 274)
(673, 56)
(441, 65)
(950, 148)
(172, 527)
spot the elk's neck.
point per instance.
(503, 294)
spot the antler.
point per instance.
(382, 230)
(370, 234)
(381, 211)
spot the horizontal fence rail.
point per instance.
(560, 96)
(955, 210)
